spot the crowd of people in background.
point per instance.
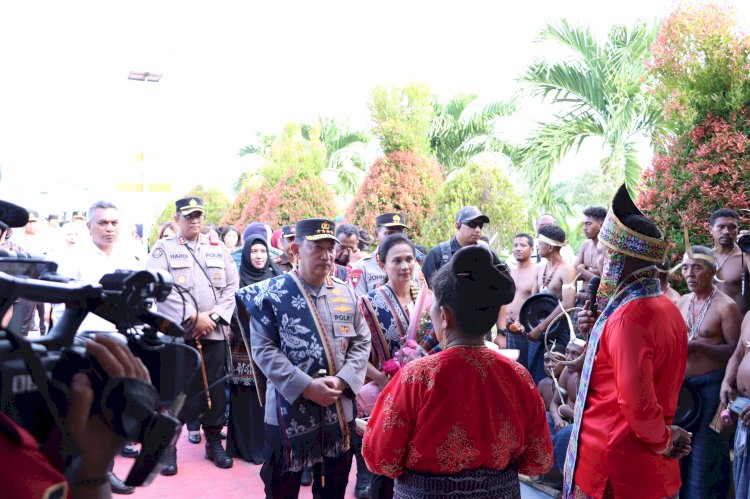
(381, 308)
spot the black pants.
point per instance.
(28, 308)
(285, 485)
(196, 406)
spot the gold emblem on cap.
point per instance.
(396, 218)
(325, 226)
(193, 202)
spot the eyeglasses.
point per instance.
(473, 224)
(193, 216)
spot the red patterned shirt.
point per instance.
(463, 409)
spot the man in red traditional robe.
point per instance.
(623, 443)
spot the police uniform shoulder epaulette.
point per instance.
(337, 280)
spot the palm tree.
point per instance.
(597, 92)
(462, 127)
(346, 157)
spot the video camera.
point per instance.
(35, 373)
(744, 243)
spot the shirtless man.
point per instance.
(524, 274)
(585, 262)
(713, 323)
(736, 384)
(562, 411)
(724, 225)
(555, 277)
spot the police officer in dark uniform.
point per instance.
(208, 273)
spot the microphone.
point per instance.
(593, 288)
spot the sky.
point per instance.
(72, 124)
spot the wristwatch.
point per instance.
(215, 317)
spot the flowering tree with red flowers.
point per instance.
(302, 195)
(400, 181)
(699, 69)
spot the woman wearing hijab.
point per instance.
(245, 437)
(463, 422)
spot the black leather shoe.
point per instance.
(118, 486)
(194, 437)
(216, 453)
(307, 477)
(129, 450)
(170, 462)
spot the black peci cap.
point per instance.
(391, 220)
(78, 215)
(186, 206)
(315, 229)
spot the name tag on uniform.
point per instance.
(179, 260)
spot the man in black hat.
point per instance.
(469, 224)
(286, 261)
(366, 274)
(311, 342)
(208, 273)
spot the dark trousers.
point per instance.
(28, 308)
(285, 485)
(196, 406)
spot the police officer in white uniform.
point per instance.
(208, 273)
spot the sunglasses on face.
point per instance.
(474, 224)
(193, 216)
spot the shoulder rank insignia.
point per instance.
(343, 309)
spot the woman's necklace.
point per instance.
(545, 281)
(694, 325)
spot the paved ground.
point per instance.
(198, 478)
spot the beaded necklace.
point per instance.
(690, 321)
(545, 281)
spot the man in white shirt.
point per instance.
(98, 256)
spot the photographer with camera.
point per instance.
(95, 443)
(206, 278)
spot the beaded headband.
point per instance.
(617, 237)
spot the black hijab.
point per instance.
(248, 273)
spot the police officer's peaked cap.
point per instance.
(78, 215)
(288, 231)
(315, 229)
(12, 215)
(391, 220)
(186, 206)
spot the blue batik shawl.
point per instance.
(308, 431)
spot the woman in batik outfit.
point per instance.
(464, 422)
